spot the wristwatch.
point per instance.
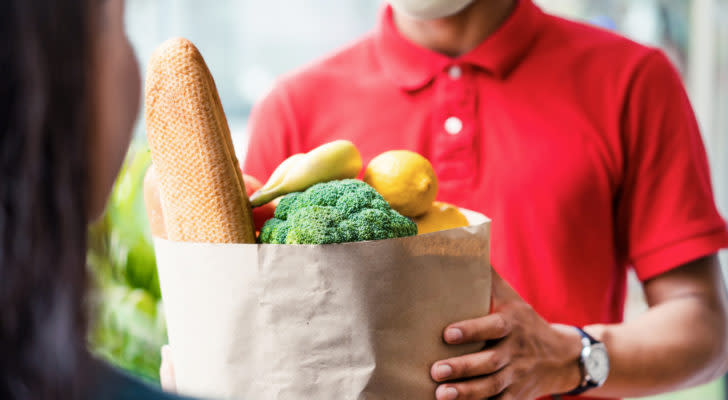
(593, 363)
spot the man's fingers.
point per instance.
(166, 371)
(471, 365)
(479, 388)
(490, 327)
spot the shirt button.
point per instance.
(453, 125)
(455, 72)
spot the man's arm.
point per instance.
(681, 341)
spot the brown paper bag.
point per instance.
(335, 322)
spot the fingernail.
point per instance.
(453, 335)
(442, 371)
(446, 393)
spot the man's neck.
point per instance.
(459, 33)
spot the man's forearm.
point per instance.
(681, 341)
(678, 343)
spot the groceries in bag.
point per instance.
(310, 318)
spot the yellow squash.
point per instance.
(335, 160)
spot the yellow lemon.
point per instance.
(405, 179)
(441, 216)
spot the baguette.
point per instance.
(201, 188)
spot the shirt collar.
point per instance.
(412, 67)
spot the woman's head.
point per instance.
(68, 96)
(116, 93)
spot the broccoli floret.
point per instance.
(372, 224)
(400, 225)
(361, 199)
(314, 225)
(284, 205)
(274, 231)
(335, 212)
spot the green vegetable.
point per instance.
(130, 329)
(129, 233)
(127, 326)
(335, 212)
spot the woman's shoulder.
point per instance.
(108, 383)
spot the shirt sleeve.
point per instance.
(666, 213)
(272, 131)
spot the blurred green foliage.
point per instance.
(127, 326)
(711, 391)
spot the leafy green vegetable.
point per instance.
(129, 233)
(130, 330)
(335, 212)
(127, 323)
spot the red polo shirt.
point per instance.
(579, 144)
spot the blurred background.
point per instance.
(247, 44)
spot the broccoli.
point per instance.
(335, 212)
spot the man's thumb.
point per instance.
(502, 291)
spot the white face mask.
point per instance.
(429, 9)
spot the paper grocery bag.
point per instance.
(345, 321)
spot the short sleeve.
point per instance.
(272, 130)
(666, 213)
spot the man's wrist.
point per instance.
(570, 375)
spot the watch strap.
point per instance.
(582, 389)
(586, 384)
(585, 335)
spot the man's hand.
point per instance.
(524, 357)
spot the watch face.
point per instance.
(597, 364)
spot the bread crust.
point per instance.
(201, 188)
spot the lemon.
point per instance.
(441, 216)
(405, 179)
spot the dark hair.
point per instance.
(45, 59)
